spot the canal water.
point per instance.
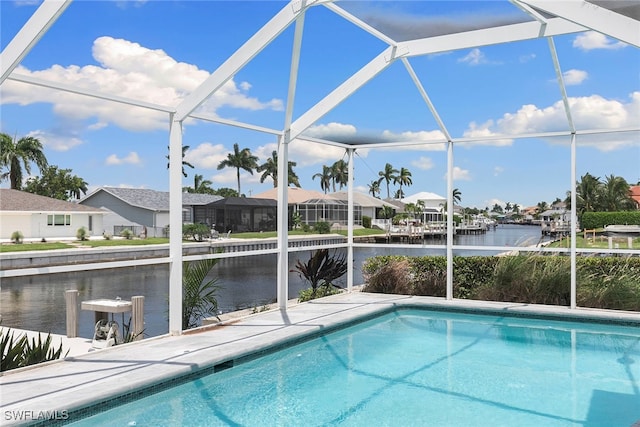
(37, 302)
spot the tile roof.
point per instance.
(152, 199)
(21, 201)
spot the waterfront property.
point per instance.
(40, 217)
(585, 357)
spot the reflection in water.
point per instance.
(37, 302)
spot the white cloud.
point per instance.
(474, 57)
(492, 202)
(130, 159)
(423, 163)
(206, 155)
(54, 141)
(133, 71)
(460, 174)
(497, 170)
(589, 112)
(574, 77)
(526, 58)
(592, 40)
(333, 129)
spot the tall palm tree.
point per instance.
(403, 178)
(387, 175)
(240, 159)
(270, 169)
(16, 154)
(374, 188)
(325, 178)
(184, 162)
(340, 174)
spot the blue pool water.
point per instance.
(417, 368)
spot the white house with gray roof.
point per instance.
(40, 217)
(142, 207)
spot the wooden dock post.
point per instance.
(71, 301)
(137, 317)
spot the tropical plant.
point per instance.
(403, 178)
(57, 184)
(587, 190)
(226, 192)
(322, 227)
(374, 188)
(239, 159)
(325, 178)
(296, 220)
(388, 175)
(199, 295)
(386, 212)
(321, 270)
(17, 237)
(456, 195)
(197, 232)
(615, 195)
(127, 234)
(200, 186)
(20, 352)
(16, 154)
(185, 148)
(340, 174)
(270, 169)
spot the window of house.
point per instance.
(58, 219)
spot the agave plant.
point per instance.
(199, 298)
(22, 352)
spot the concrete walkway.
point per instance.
(60, 387)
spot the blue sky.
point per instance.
(159, 51)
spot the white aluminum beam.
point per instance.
(593, 17)
(39, 23)
(350, 219)
(450, 272)
(213, 119)
(488, 36)
(563, 89)
(90, 93)
(342, 92)
(426, 99)
(175, 227)
(239, 59)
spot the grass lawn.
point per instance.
(600, 242)
(36, 246)
(22, 247)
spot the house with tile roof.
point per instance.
(40, 217)
(147, 209)
(634, 193)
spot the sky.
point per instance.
(160, 51)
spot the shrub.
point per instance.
(366, 221)
(611, 283)
(199, 296)
(323, 291)
(306, 227)
(591, 220)
(82, 234)
(21, 352)
(107, 236)
(197, 232)
(16, 237)
(127, 234)
(321, 270)
(322, 227)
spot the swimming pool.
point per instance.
(416, 367)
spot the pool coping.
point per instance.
(71, 388)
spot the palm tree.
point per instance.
(457, 196)
(614, 194)
(14, 154)
(200, 186)
(325, 178)
(387, 175)
(184, 162)
(374, 188)
(240, 159)
(587, 193)
(508, 207)
(541, 207)
(340, 174)
(403, 178)
(270, 169)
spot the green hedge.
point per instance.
(591, 220)
(603, 282)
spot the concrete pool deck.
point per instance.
(58, 388)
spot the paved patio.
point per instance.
(79, 381)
